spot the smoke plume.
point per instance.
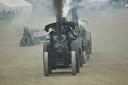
(62, 7)
(58, 6)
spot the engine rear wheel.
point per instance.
(81, 57)
(89, 42)
(80, 51)
(73, 63)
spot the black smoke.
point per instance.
(58, 6)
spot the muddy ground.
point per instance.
(108, 65)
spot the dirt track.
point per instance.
(108, 64)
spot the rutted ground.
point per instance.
(108, 64)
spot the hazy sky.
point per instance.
(15, 3)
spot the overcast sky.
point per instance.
(15, 3)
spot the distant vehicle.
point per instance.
(32, 37)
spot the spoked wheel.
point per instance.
(73, 63)
(89, 42)
(45, 61)
(80, 52)
(83, 54)
(88, 45)
(81, 58)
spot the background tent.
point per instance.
(11, 8)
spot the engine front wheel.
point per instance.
(75, 48)
(45, 63)
(75, 63)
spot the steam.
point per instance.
(67, 7)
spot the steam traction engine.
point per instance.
(61, 49)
